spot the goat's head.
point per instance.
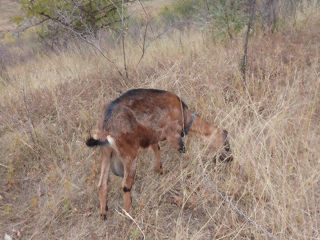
(219, 144)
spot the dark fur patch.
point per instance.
(91, 142)
(110, 107)
(104, 217)
(125, 189)
(133, 93)
(144, 143)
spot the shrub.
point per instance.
(181, 10)
(78, 17)
(228, 17)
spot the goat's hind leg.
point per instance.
(127, 182)
(105, 154)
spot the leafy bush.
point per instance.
(167, 15)
(180, 10)
(228, 17)
(79, 17)
(185, 8)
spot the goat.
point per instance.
(141, 118)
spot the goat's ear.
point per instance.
(227, 155)
(224, 134)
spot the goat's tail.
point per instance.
(92, 142)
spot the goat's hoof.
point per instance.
(103, 216)
(160, 171)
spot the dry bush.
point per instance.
(48, 177)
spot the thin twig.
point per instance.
(144, 43)
(123, 43)
(131, 218)
(2, 165)
(22, 29)
(124, 56)
(85, 39)
(234, 207)
(147, 16)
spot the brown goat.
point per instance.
(141, 118)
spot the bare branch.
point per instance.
(124, 56)
(144, 43)
(123, 43)
(82, 36)
(2, 165)
(22, 29)
(147, 15)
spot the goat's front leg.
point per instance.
(127, 182)
(156, 151)
(105, 154)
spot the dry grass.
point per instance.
(8, 9)
(48, 177)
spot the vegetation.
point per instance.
(228, 16)
(49, 100)
(78, 17)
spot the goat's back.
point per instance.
(148, 114)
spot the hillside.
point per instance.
(50, 101)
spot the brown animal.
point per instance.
(141, 118)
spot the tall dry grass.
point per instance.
(48, 177)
